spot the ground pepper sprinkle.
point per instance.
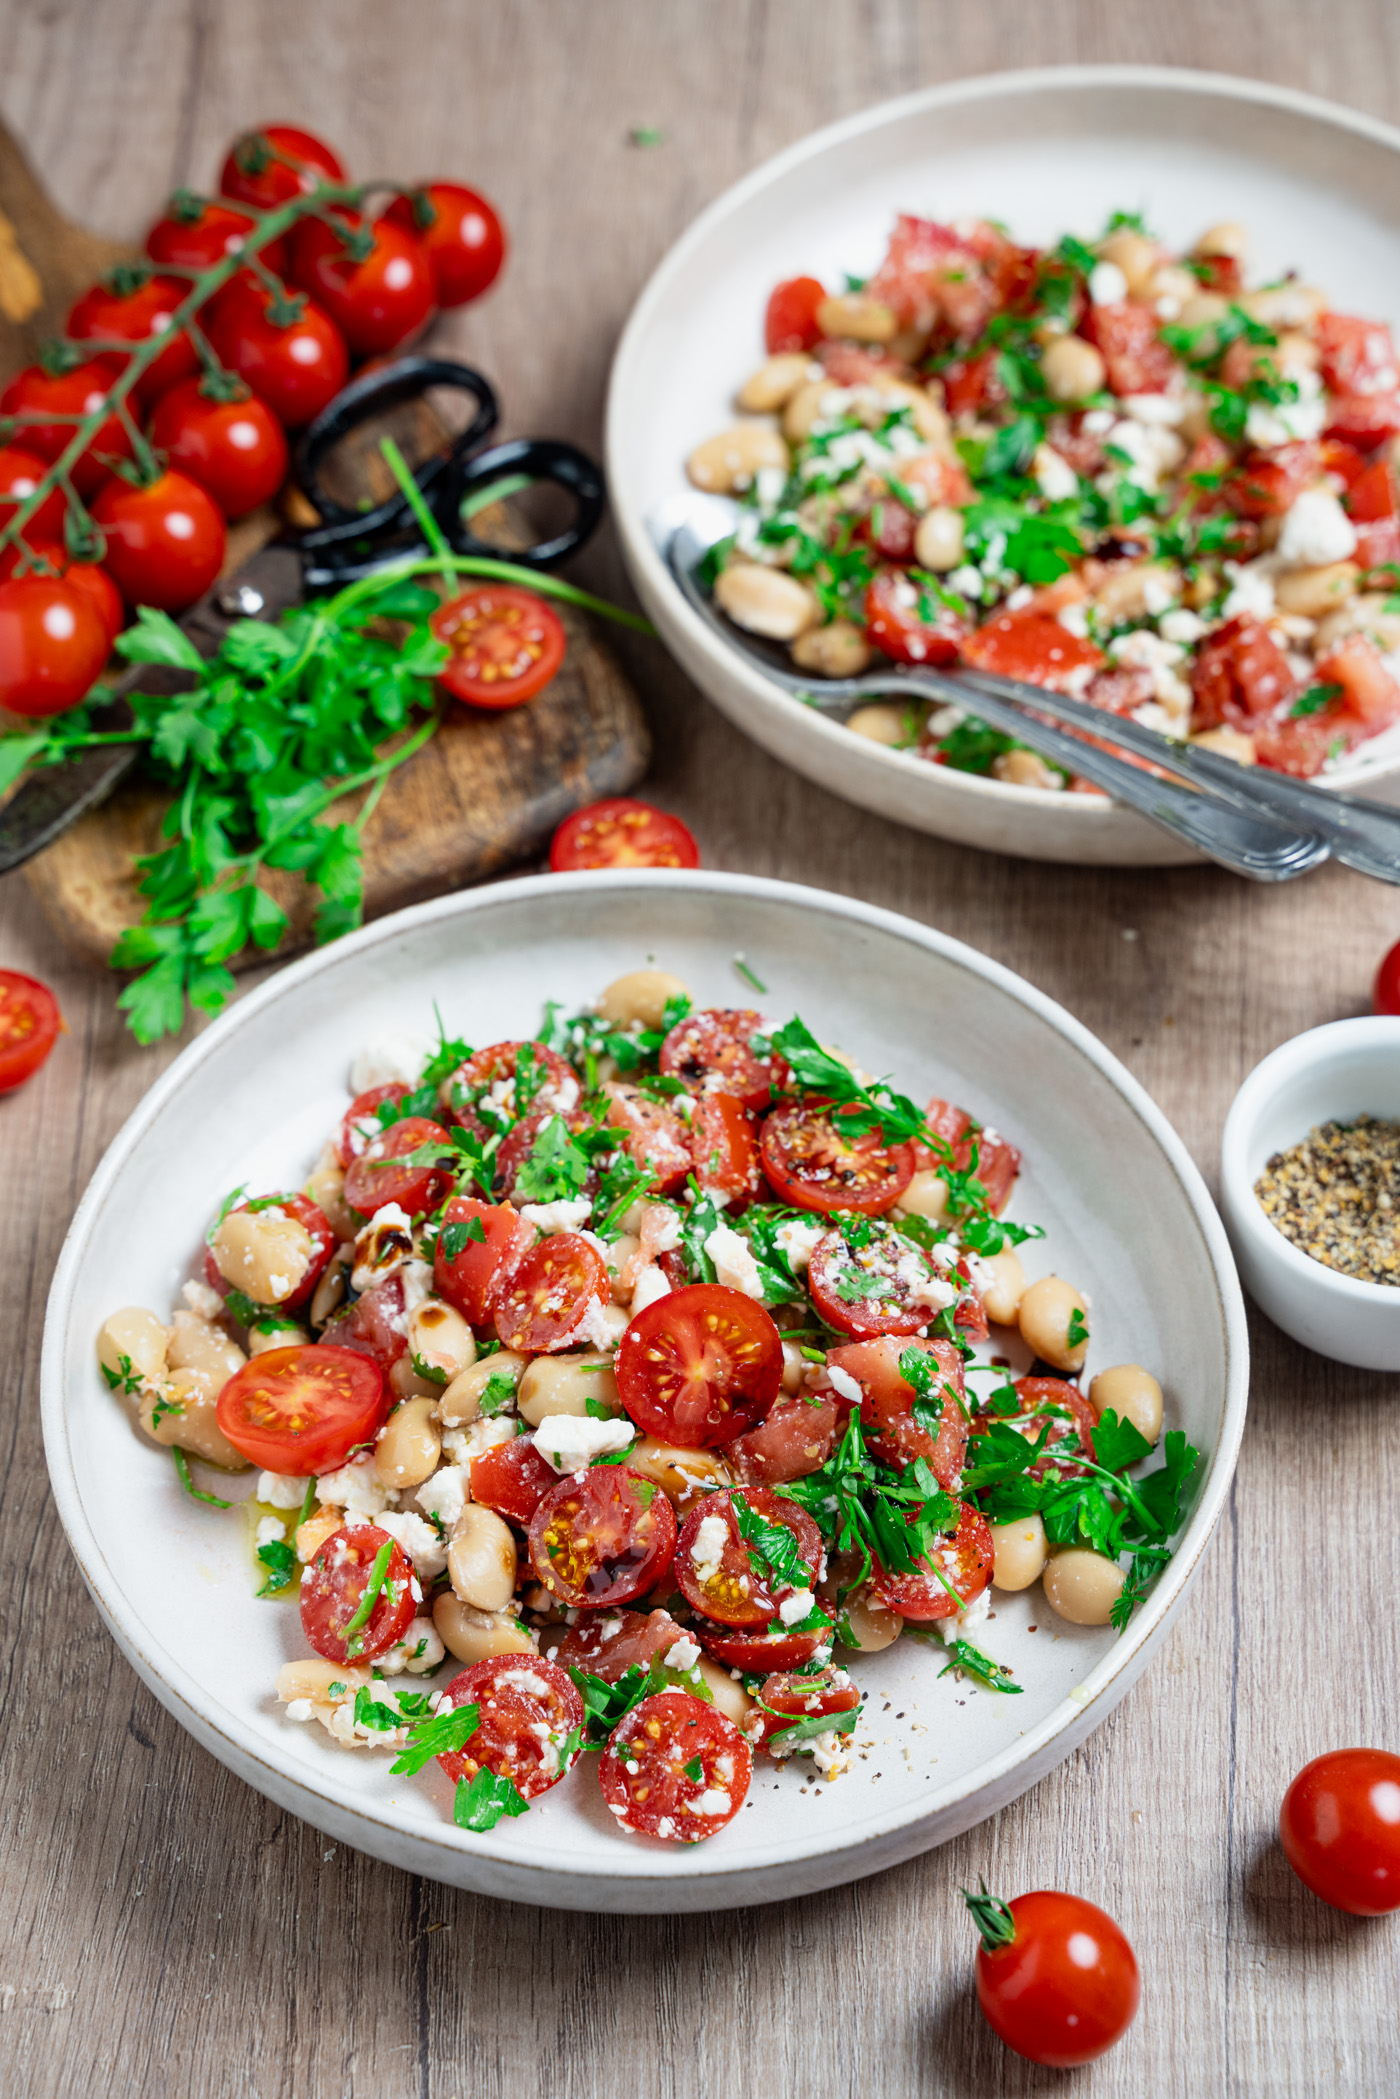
(1337, 1197)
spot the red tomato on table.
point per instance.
(1340, 1830)
(965, 1568)
(235, 449)
(198, 232)
(711, 1051)
(20, 474)
(53, 644)
(165, 542)
(675, 1769)
(603, 1539)
(29, 1025)
(505, 645)
(379, 298)
(373, 1181)
(1056, 1978)
(302, 1410)
(131, 307)
(77, 390)
(337, 1585)
(269, 167)
(700, 1366)
(460, 233)
(814, 1164)
(734, 1585)
(527, 1709)
(542, 1304)
(1385, 997)
(292, 354)
(621, 833)
(791, 320)
(90, 581)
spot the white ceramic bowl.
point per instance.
(1319, 187)
(251, 1101)
(1349, 1067)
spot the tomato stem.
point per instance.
(432, 530)
(992, 1917)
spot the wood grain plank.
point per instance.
(250, 1962)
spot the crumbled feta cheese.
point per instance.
(1316, 531)
(711, 1538)
(593, 1327)
(419, 1651)
(1019, 599)
(572, 1441)
(280, 1490)
(967, 581)
(1107, 284)
(659, 1227)
(444, 1495)
(269, 1532)
(1054, 476)
(1148, 450)
(354, 1487)
(942, 722)
(650, 1285)
(418, 1539)
(462, 1445)
(1181, 625)
(1144, 650)
(1098, 422)
(1251, 589)
(1166, 410)
(769, 483)
(843, 1383)
(299, 1709)
(793, 1609)
(711, 1802)
(387, 1058)
(735, 1266)
(1075, 619)
(1270, 423)
(564, 1216)
(796, 1240)
(202, 1301)
(682, 1654)
(829, 1751)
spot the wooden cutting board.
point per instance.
(485, 792)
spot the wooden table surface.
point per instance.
(167, 1930)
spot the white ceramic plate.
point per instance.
(1318, 186)
(251, 1101)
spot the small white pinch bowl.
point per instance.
(1348, 1068)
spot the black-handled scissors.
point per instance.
(351, 543)
(345, 546)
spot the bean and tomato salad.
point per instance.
(1101, 466)
(651, 1368)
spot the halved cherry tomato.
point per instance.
(302, 1410)
(378, 301)
(460, 233)
(887, 1407)
(29, 1025)
(53, 644)
(1358, 356)
(1137, 360)
(965, 1567)
(870, 1289)
(360, 1122)
(814, 1165)
(611, 1644)
(372, 1181)
(290, 352)
(1372, 507)
(656, 1137)
(795, 1439)
(513, 1479)
(786, 1700)
(1340, 1829)
(334, 1588)
(648, 1770)
(700, 1366)
(165, 542)
(602, 1539)
(1363, 419)
(20, 474)
(504, 644)
(324, 1241)
(735, 1585)
(547, 1297)
(1385, 996)
(198, 232)
(527, 1710)
(621, 833)
(1056, 1978)
(135, 304)
(473, 1278)
(269, 167)
(79, 390)
(712, 1052)
(1239, 672)
(481, 1093)
(1047, 1401)
(1369, 693)
(234, 448)
(909, 623)
(998, 1162)
(376, 1325)
(724, 1146)
(519, 1142)
(791, 320)
(759, 1650)
(1033, 646)
(1268, 483)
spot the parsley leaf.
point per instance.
(480, 1804)
(280, 1561)
(441, 1735)
(969, 1660)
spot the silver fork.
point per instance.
(1271, 829)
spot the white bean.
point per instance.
(858, 318)
(481, 1559)
(1228, 238)
(837, 650)
(870, 1623)
(1046, 1314)
(1002, 1285)
(440, 1343)
(640, 998)
(1025, 769)
(1082, 1586)
(679, 1471)
(726, 465)
(926, 1194)
(1019, 1550)
(730, 1698)
(774, 383)
(474, 1636)
(766, 601)
(564, 1384)
(1134, 1395)
(263, 1253)
(409, 1446)
(1071, 368)
(1230, 743)
(883, 721)
(1312, 593)
(138, 1336)
(461, 1401)
(939, 537)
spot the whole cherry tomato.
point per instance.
(20, 474)
(461, 234)
(94, 583)
(165, 542)
(1340, 1828)
(375, 282)
(1386, 996)
(29, 1025)
(52, 645)
(269, 167)
(228, 441)
(290, 352)
(131, 305)
(1056, 1978)
(198, 232)
(73, 390)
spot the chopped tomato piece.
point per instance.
(1268, 483)
(757, 1650)
(998, 1162)
(1369, 691)
(1358, 356)
(1302, 747)
(1363, 419)
(910, 622)
(361, 1123)
(883, 1285)
(724, 1145)
(494, 1240)
(1239, 673)
(1052, 1402)
(488, 1092)
(972, 383)
(795, 1439)
(513, 1479)
(608, 1644)
(1371, 505)
(814, 1164)
(1033, 646)
(1135, 357)
(374, 1179)
(622, 833)
(791, 320)
(656, 1136)
(786, 1701)
(893, 1431)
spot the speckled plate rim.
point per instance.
(654, 1880)
(648, 568)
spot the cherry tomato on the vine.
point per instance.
(460, 233)
(290, 352)
(234, 447)
(53, 644)
(165, 542)
(1056, 1977)
(198, 232)
(1340, 1829)
(77, 390)
(506, 645)
(29, 1025)
(20, 474)
(1386, 995)
(374, 281)
(136, 304)
(270, 166)
(622, 833)
(92, 582)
